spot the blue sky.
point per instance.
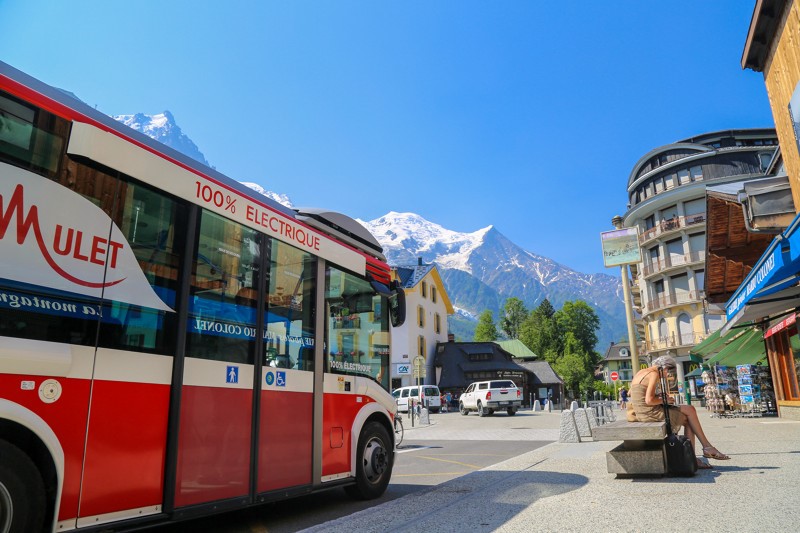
(526, 115)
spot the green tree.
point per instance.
(539, 332)
(577, 364)
(581, 320)
(513, 315)
(486, 331)
(572, 370)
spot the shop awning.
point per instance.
(711, 343)
(747, 349)
(696, 373)
(778, 269)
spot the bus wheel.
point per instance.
(22, 496)
(374, 461)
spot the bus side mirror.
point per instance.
(397, 305)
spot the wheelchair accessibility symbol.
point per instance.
(281, 382)
(270, 378)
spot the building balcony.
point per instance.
(673, 261)
(676, 341)
(671, 300)
(666, 227)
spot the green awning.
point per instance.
(696, 373)
(748, 349)
(712, 343)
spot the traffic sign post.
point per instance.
(419, 373)
(614, 377)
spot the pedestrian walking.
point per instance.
(623, 398)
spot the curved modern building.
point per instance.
(667, 201)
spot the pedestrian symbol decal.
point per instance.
(232, 375)
(270, 378)
(281, 381)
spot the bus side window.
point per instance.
(289, 340)
(222, 309)
(154, 225)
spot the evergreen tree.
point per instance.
(539, 332)
(514, 314)
(546, 308)
(486, 331)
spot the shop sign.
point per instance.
(621, 247)
(783, 324)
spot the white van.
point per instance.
(430, 397)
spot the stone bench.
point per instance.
(642, 448)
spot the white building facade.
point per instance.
(427, 309)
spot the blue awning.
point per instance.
(776, 270)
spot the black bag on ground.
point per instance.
(680, 454)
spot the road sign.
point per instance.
(614, 376)
(419, 367)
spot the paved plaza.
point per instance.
(565, 487)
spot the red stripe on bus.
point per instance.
(213, 445)
(126, 447)
(66, 417)
(338, 413)
(285, 434)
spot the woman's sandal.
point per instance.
(709, 452)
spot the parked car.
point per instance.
(430, 397)
(486, 397)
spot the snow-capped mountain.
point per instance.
(163, 128)
(483, 268)
(280, 198)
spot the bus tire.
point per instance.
(374, 461)
(22, 494)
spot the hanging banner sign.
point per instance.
(621, 247)
(783, 324)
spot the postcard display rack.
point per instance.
(743, 390)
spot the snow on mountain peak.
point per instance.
(163, 128)
(406, 236)
(280, 198)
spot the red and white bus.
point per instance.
(140, 379)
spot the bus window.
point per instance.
(155, 227)
(222, 306)
(31, 138)
(289, 341)
(357, 333)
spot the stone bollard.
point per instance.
(593, 421)
(573, 405)
(424, 417)
(582, 422)
(537, 406)
(548, 406)
(568, 431)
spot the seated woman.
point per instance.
(646, 406)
